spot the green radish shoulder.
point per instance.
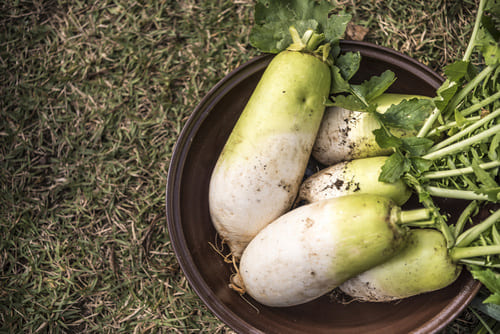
(423, 265)
(258, 173)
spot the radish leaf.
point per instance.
(375, 86)
(339, 83)
(456, 70)
(492, 282)
(349, 102)
(273, 19)
(408, 114)
(416, 146)
(348, 64)
(387, 140)
(394, 168)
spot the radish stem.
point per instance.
(458, 253)
(307, 36)
(457, 172)
(495, 235)
(429, 123)
(422, 223)
(464, 217)
(409, 216)
(475, 30)
(454, 193)
(440, 222)
(463, 144)
(473, 233)
(465, 131)
(456, 99)
(478, 263)
(314, 41)
(453, 124)
(479, 105)
(298, 44)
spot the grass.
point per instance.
(93, 97)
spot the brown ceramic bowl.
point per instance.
(191, 230)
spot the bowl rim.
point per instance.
(178, 159)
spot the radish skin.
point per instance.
(347, 135)
(314, 248)
(359, 176)
(259, 170)
(423, 265)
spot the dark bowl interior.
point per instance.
(191, 230)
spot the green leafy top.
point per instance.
(274, 18)
(467, 91)
(486, 34)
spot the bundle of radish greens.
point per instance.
(294, 240)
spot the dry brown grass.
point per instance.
(93, 97)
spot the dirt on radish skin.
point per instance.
(266, 195)
(316, 247)
(259, 171)
(346, 135)
(359, 176)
